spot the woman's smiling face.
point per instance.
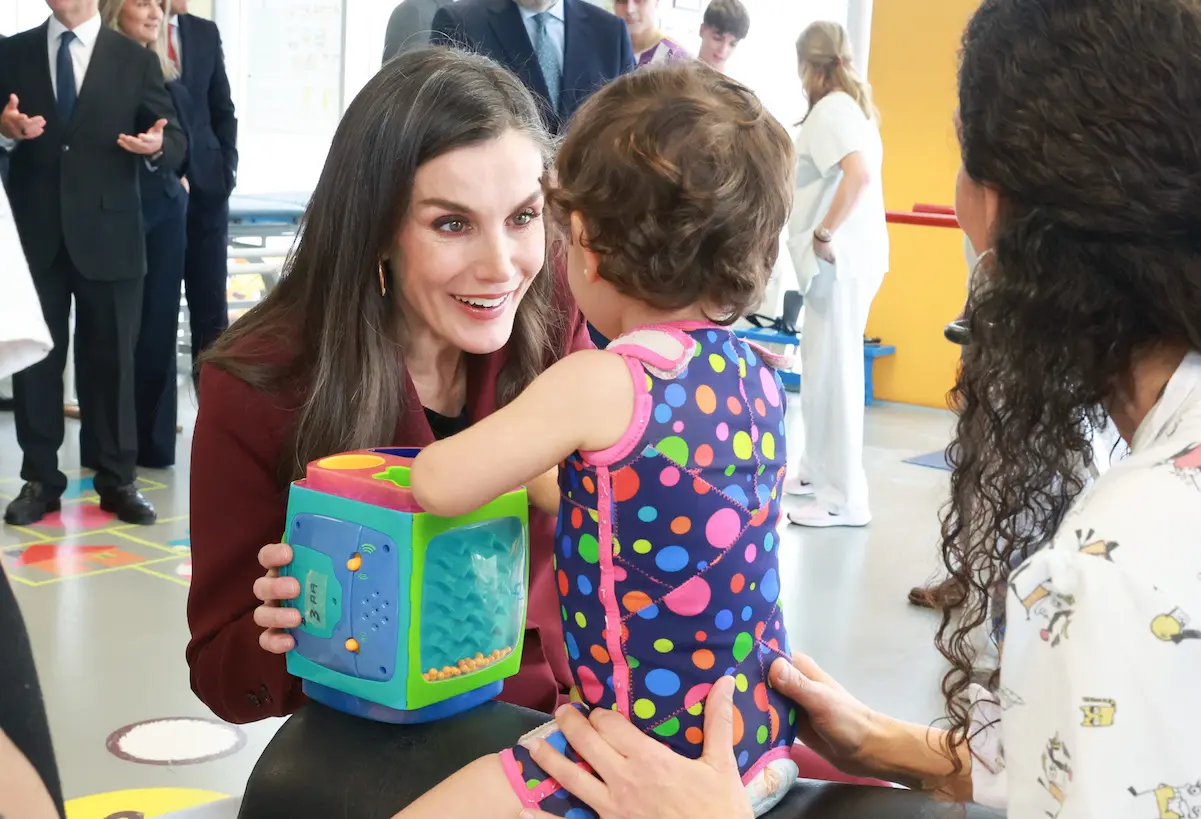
(472, 242)
(140, 20)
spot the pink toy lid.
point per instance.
(379, 477)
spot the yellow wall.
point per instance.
(914, 49)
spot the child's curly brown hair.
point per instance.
(684, 183)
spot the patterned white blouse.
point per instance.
(1099, 710)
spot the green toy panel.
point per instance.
(473, 597)
(470, 576)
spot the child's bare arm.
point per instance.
(585, 401)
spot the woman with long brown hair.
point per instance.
(414, 304)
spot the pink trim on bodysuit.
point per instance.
(638, 424)
(608, 591)
(547, 789)
(776, 361)
(513, 773)
(687, 325)
(651, 357)
(783, 752)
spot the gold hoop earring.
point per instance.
(383, 288)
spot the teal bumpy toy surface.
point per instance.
(405, 616)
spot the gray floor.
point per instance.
(109, 629)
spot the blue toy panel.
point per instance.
(473, 600)
(359, 707)
(330, 589)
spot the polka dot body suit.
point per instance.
(666, 557)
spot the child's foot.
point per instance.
(814, 515)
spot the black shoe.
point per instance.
(7, 404)
(33, 504)
(128, 504)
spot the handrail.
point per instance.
(945, 210)
(897, 217)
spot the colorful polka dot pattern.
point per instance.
(694, 513)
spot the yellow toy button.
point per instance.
(352, 645)
(355, 563)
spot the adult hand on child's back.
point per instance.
(271, 589)
(642, 779)
(831, 721)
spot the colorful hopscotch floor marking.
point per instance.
(41, 563)
(37, 558)
(75, 518)
(184, 544)
(144, 803)
(175, 741)
(177, 569)
(78, 487)
(69, 560)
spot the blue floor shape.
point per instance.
(77, 487)
(933, 460)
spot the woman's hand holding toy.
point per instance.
(271, 589)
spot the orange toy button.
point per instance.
(352, 645)
(355, 563)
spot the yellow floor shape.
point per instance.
(144, 803)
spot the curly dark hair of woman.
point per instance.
(344, 344)
(1084, 116)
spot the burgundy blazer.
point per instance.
(238, 506)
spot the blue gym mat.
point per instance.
(934, 460)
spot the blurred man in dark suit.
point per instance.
(195, 47)
(3, 181)
(410, 26)
(6, 398)
(563, 50)
(73, 183)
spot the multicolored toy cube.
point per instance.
(405, 617)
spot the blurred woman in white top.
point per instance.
(839, 247)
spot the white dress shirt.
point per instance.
(556, 28)
(81, 48)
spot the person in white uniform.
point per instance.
(838, 242)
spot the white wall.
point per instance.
(18, 15)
